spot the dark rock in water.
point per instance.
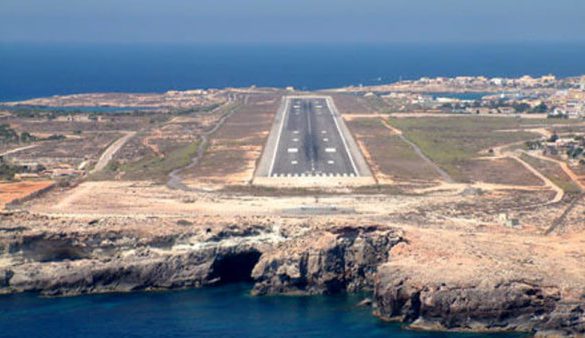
(5, 277)
(365, 303)
(507, 306)
(327, 261)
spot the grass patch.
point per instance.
(553, 172)
(159, 167)
(368, 122)
(452, 142)
(378, 104)
(547, 122)
(150, 167)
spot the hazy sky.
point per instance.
(291, 21)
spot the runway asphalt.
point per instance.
(310, 142)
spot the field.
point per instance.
(554, 173)
(353, 104)
(390, 158)
(10, 191)
(162, 147)
(454, 143)
(233, 150)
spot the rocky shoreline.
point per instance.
(297, 259)
(511, 306)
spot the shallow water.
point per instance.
(225, 311)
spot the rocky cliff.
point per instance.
(69, 263)
(320, 261)
(507, 306)
(326, 261)
(430, 279)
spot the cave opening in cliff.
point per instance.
(235, 267)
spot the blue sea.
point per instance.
(35, 70)
(226, 311)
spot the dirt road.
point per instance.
(111, 151)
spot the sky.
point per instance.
(287, 21)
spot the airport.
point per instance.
(310, 139)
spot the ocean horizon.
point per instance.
(32, 70)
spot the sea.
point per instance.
(223, 311)
(30, 70)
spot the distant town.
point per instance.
(558, 98)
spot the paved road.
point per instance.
(310, 142)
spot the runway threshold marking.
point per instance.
(305, 107)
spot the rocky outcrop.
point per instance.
(92, 262)
(515, 305)
(326, 261)
(141, 270)
(416, 278)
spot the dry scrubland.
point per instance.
(464, 229)
(235, 148)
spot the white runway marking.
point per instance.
(316, 157)
(310, 130)
(285, 110)
(333, 110)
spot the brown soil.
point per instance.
(9, 191)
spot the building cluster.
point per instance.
(524, 82)
(25, 169)
(570, 148)
(568, 103)
(558, 98)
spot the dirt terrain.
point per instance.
(10, 191)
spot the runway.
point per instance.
(310, 142)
